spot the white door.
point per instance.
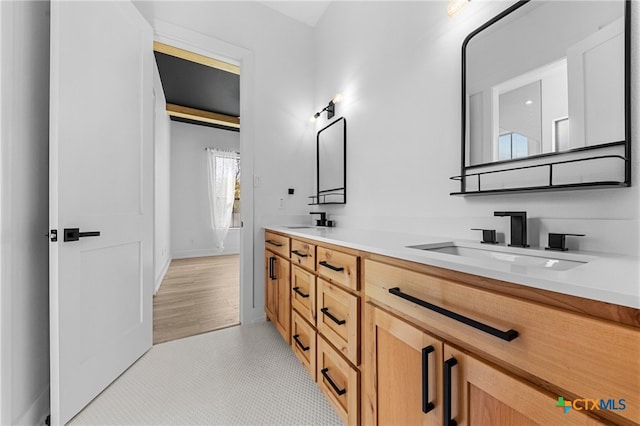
(101, 180)
(595, 69)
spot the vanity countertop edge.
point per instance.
(610, 278)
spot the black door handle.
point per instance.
(446, 389)
(74, 234)
(272, 268)
(426, 404)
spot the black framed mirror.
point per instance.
(546, 98)
(331, 163)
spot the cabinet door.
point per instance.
(277, 295)
(283, 316)
(403, 382)
(476, 393)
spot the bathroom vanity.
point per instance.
(395, 331)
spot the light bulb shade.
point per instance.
(337, 98)
(455, 6)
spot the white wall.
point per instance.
(24, 211)
(191, 233)
(162, 183)
(280, 102)
(399, 67)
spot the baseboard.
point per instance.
(160, 277)
(203, 253)
(37, 412)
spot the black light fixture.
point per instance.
(330, 108)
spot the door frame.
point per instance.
(6, 32)
(250, 310)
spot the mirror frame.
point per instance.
(627, 117)
(319, 193)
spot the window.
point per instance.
(512, 145)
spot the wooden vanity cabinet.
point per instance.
(513, 357)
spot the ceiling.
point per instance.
(197, 93)
(308, 12)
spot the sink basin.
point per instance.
(509, 255)
(299, 227)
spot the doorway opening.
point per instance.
(198, 289)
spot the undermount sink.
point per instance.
(509, 255)
(299, 227)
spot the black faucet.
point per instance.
(518, 228)
(323, 218)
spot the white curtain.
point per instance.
(222, 184)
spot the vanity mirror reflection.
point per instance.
(331, 164)
(546, 98)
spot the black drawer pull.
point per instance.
(299, 343)
(448, 366)
(508, 335)
(297, 290)
(297, 253)
(426, 404)
(334, 268)
(331, 317)
(275, 243)
(339, 391)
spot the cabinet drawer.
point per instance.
(303, 254)
(340, 268)
(303, 293)
(303, 342)
(587, 357)
(339, 382)
(278, 244)
(338, 318)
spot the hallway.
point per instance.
(197, 295)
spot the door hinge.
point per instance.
(53, 235)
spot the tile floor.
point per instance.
(243, 375)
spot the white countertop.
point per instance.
(604, 277)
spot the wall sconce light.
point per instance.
(330, 108)
(455, 6)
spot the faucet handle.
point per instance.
(488, 235)
(323, 218)
(557, 241)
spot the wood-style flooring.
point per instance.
(196, 296)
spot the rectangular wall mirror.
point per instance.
(546, 89)
(331, 157)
